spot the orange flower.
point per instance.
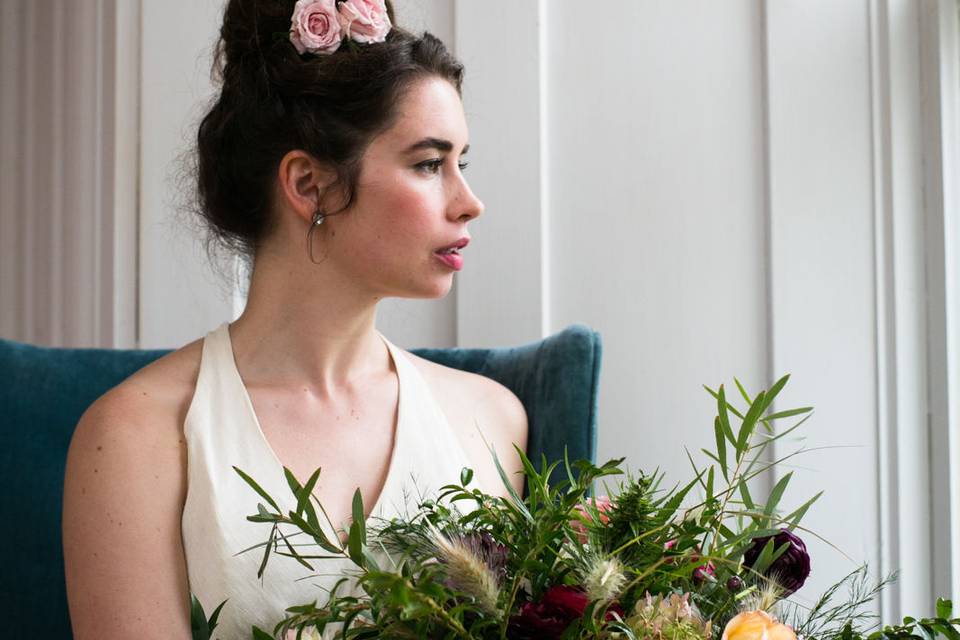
(757, 625)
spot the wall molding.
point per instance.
(940, 83)
(502, 295)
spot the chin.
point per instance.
(439, 287)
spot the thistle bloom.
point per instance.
(756, 625)
(475, 565)
(791, 569)
(604, 579)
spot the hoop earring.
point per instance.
(318, 218)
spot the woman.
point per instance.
(333, 159)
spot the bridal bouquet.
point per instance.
(703, 560)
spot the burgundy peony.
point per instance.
(549, 618)
(791, 569)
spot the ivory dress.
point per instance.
(222, 431)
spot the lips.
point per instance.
(454, 247)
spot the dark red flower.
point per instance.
(791, 569)
(550, 617)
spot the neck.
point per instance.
(308, 325)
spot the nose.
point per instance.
(466, 205)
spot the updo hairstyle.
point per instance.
(273, 100)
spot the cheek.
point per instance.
(406, 213)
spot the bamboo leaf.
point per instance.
(266, 551)
(215, 616)
(776, 494)
(724, 416)
(721, 447)
(743, 392)
(355, 544)
(358, 517)
(517, 502)
(711, 455)
(303, 500)
(745, 494)
(796, 516)
(293, 554)
(749, 422)
(198, 620)
(314, 532)
(789, 413)
(774, 390)
(729, 406)
(263, 494)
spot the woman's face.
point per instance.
(411, 200)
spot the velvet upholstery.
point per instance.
(44, 391)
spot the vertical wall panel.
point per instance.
(501, 289)
(657, 213)
(180, 295)
(822, 252)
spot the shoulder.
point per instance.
(478, 394)
(140, 419)
(124, 489)
(159, 392)
(474, 401)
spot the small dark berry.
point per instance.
(734, 584)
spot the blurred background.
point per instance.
(742, 188)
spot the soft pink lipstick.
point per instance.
(450, 254)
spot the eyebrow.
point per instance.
(435, 143)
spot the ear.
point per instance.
(303, 183)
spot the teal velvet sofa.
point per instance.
(44, 391)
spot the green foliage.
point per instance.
(202, 627)
(690, 539)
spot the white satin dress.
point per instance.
(222, 431)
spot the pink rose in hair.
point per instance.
(365, 21)
(315, 27)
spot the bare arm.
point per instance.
(503, 420)
(123, 498)
(514, 420)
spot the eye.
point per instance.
(430, 166)
(433, 166)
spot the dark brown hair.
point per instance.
(273, 100)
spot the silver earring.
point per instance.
(318, 218)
